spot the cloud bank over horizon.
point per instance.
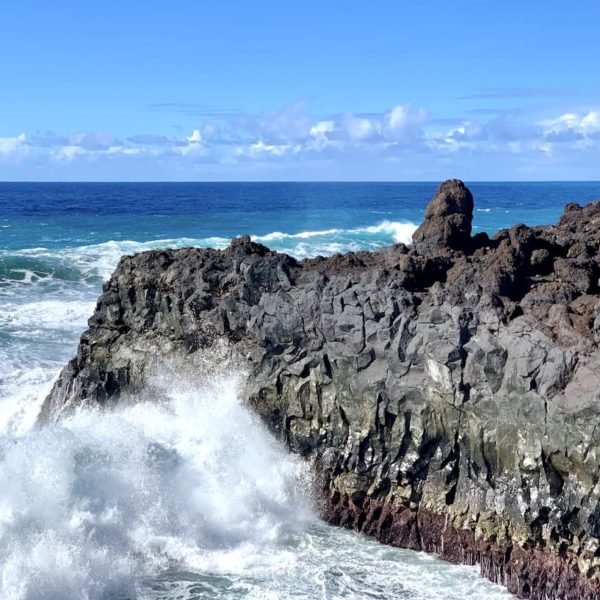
(338, 91)
(404, 142)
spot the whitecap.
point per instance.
(278, 235)
(401, 231)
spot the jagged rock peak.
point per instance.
(448, 218)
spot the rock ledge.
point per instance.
(448, 394)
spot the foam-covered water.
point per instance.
(186, 497)
(92, 506)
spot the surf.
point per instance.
(181, 493)
(189, 480)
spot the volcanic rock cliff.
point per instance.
(447, 393)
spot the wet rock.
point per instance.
(448, 394)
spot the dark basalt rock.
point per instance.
(448, 218)
(448, 394)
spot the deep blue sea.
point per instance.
(348, 215)
(88, 508)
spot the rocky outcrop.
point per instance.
(448, 394)
(448, 219)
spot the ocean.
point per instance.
(188, 498)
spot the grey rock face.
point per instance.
(448, 396)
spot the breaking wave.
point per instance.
(184, 496)
(192, 482)
(306, 244)
(85, 264)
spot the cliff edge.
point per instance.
(447, 393)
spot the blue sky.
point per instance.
(329, 90)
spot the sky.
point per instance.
(257, 90)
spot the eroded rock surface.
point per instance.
(448, 394)
(448, 219)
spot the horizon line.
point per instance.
(295, 181)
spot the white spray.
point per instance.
(192, 482)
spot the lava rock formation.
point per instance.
(448, 393)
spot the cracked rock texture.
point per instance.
(448, 394)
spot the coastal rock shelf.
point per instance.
(448, 393)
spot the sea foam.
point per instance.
(306, 244)
(92, 505)
(186, 496)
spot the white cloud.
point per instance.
(14, 147)
(292, 135)
(455, 139)
(193, 146)
(261, 150)
(290, 124)
(591, 121)
(507, 134)
(195, 138)
(71, 152)
(572, 126)
(124, 151)
(398, 116)
(359, 128)
(68, 153)
(403, 124)
(320, 136)
(321, 128)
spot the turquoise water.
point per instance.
(190, 498)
